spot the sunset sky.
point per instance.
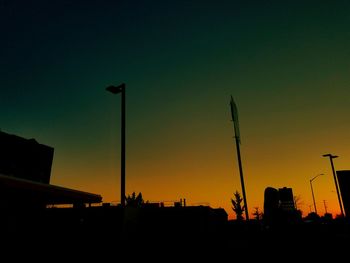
(286, 63)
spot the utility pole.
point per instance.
(234, 113)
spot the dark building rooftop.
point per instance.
(25, 158)
(25, 171)
(21, 191)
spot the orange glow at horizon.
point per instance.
(211, 176)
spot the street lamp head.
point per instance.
(330, 155)
(315, 177)
(116, 89)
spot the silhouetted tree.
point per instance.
(237, 206)
(327, 217)
(297, 201)
(134, 201)
(257, 214)
(339, 216)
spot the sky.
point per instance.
(286, 64)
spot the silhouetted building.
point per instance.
(25, 158)
(279, 206)
(23, 193)
(153, 205)
(344, 185)
(271, 204)
(286, 199)
(25, 170)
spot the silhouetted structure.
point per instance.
(25, 170)
(116, 90)
(25, 193)
(234, 113)
(271, 204)
(25, 158)
(21, 193)
(344, 185)
(286, 199)
(312, 191)
(331, 157)
(279, 206)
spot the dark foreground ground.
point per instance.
(115, 240)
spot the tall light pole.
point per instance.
(116, 90)
(312, 191)
(331, 157)
(234, 113)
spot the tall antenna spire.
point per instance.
(234, 113)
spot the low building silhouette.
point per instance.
(28, 203)
(25, 171)
(25, 189)
(25, 158)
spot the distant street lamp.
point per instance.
(116, 90)
(312, 191)
(331, 157)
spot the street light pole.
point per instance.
(331, 157)
(312, 191)
(116, 90)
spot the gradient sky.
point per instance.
(286, 63)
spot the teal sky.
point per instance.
(286, 63)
